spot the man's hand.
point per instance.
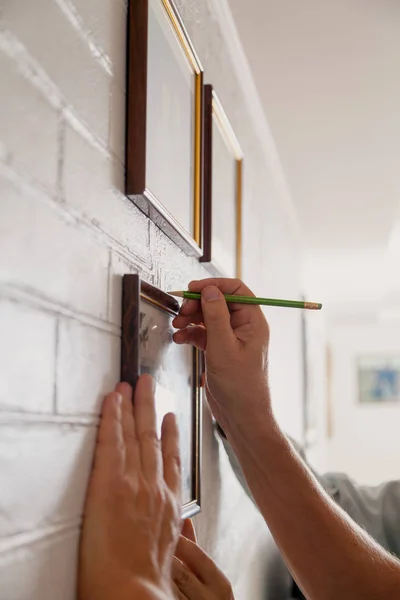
(195, 575)
(235, 339)
(132, 518)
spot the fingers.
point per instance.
(146, 428)
(109, 456)
(245, 319)
(217, 319)
(186, 581)
(132, 453)
(194, 318)
(195, 335)
(188, 531)
(226, 286)
(171, 454)
(198, 562)
(191, 310)
(188, 307)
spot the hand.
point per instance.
(195, 575)
(132, 520)
(235, 339)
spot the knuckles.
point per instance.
(174, 458)
(150, 437)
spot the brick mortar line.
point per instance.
(30, 297)
(21, 418)
(25, 539)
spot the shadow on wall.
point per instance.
(230, 529)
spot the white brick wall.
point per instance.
(44, 569)
(67, 58)
(43, 474)
(92, 182)
(67, 235)
(87, 367)
(62, 216)
(27, 358)
(53, 257)
(37, 120)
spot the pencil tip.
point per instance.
(176, 294)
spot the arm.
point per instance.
(328, 554)
(237, 469)
(375, 509)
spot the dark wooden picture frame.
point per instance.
(136, 294)
(213, 110)
(136, 184)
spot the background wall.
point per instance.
(365, 442)
(67, 234)
(317, 398)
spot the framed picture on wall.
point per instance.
(147, 347)
(164, 129)
(223, 169)
(378, 379)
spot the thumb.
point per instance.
(216, 319)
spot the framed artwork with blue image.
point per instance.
(378, 379)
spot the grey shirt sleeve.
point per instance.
(376, 509)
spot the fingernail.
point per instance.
(118, 398)
(210, 294)
(184, 303)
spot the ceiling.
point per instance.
(328, 76)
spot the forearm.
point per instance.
(328, 554)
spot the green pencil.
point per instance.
(252, 300)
